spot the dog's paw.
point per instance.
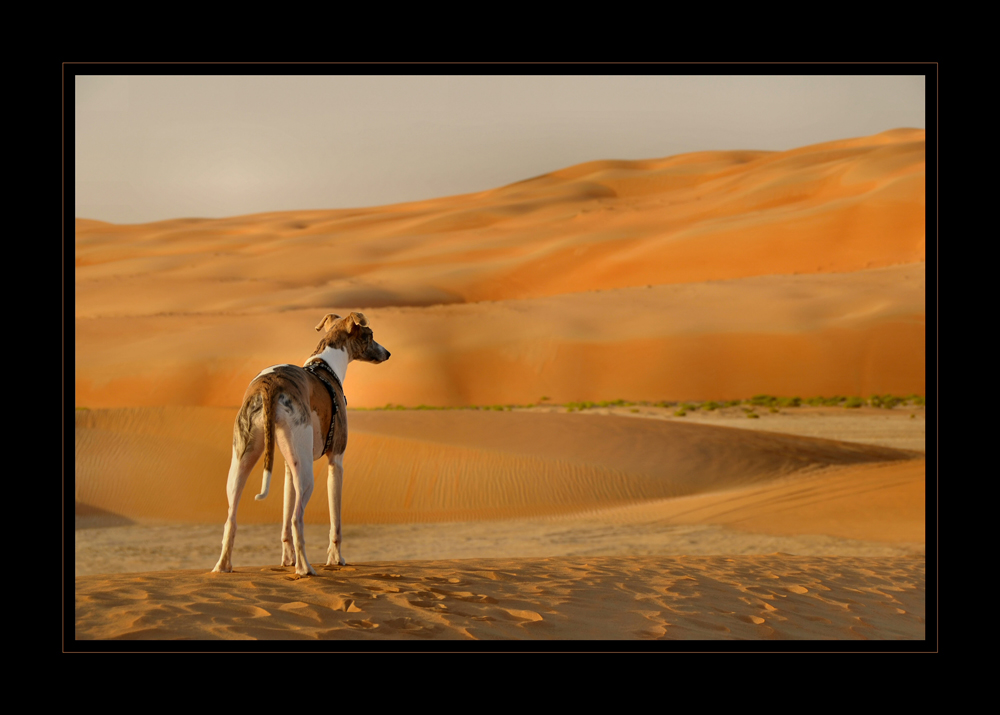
(219, 568)
(303, 572)
(333, 557)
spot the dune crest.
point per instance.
(834, 207)
(169, 464)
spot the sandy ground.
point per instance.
(593, 598)
(753, 557)
(708, 276)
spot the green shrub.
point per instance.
(825, 401)
(884, 401)
(680, 413)
(710, 406)
(790, 401)
(753, 415)
(854, 402)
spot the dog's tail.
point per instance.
(268, 444)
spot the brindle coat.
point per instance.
(293, 405)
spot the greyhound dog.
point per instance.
(306, 409)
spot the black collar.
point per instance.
(323, 373)
(317, 363)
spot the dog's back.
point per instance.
(293, 397)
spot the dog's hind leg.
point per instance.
(334, 490)
(239, 471)
(287, 544)
(295, 442)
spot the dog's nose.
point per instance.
(387, 354)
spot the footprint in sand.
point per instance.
(797, 589)
(524, 615)
(293, 606)
(408, 625)
(362, 625)
(344, 604)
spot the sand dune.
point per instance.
(859, 333)
(170, 464)
(596, 598)
(660, 279)
(882, 502)
(834, 207)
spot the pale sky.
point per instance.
(160, 147)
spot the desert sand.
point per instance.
(717, 275)
(594, 598)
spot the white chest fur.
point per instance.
(337, 359)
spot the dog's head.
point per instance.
(351, 334)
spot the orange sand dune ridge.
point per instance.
(834, 207)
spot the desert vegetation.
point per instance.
(773, 404)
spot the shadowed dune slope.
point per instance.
(170, 464)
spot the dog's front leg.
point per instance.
(334, 489)
(287, 543)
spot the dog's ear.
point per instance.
(356, 319)
(328, 319)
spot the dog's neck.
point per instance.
(335, 358)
